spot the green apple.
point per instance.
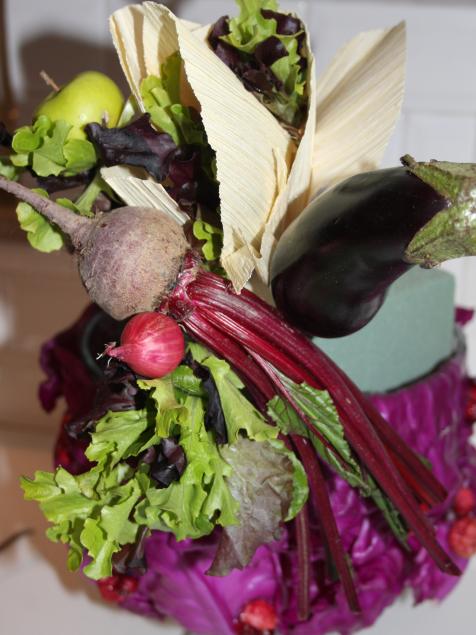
(90, 96)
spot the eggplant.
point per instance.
(334, 264)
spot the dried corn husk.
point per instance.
(246, 138)
(136, 189)
(359, 99)
(143, 42)
(294, 185)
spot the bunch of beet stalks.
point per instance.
(135, 259)
(260, 346)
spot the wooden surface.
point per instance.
(40, 294)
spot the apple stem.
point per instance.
(49, 81)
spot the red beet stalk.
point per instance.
(202, 290)
(260, 373)
(220, 297)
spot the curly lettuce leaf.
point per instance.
(272, 63)
(201, 498)
(92, 511)
(240, 414)
(100, 511)
(250, 28)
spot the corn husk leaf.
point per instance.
(359, 99)
(143, 42)
(237, 126)
(141, 191)
(127, 26)
(295, 186)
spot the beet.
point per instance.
(128, 259)
(334, 264)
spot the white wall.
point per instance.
(439, 114)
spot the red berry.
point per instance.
(128, 584)
(471, 402)
(117, 587)
(462, 537)
(260, 615)
(464, 501)
(108, 590)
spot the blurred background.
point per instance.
(41, 294)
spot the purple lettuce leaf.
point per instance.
(137, 144)
(262, 482)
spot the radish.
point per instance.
(152, 344)
(134, 259)
(335, 262)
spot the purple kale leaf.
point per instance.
(167, 462)
(285, 24)
(137, 144)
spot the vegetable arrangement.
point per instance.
(236, 426)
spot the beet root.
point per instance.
(128, 259)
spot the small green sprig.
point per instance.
(45, 146)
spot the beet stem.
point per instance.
(303, 540)
(287, 367)
(74, 226)
(212, 291)
(429, 486)
(323, 505)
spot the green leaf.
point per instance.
(115, 518)
(184, 380)
(46, 147)
(161, 98)
(84, 203)
(99, 548)
(80, 155)
(9, 170)
(201, 498)
(129, 112)
(240, 414)
(20, 160)
(249, 29)
(40, 233)
(168, 410)
(300, 484)
(115, 433)
(42, 487)
(261, 479)
(317, 405)
(213, 237)
(28, 138)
